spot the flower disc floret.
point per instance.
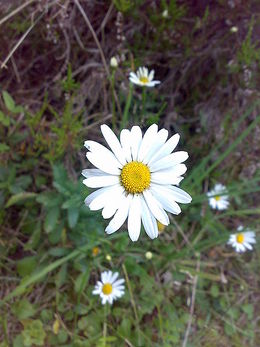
(135, 177)
(144, 79)
(240, 238)
(107, 288)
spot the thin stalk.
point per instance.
(105, 325)
(113, 100)
(127, 107)
(143, 100)
(132, 301)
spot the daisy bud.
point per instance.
(113, 62)
(148, 255)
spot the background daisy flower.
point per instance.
(143, 78)
(109, 288)
(243, 240)
(136, 179)
(216, 199)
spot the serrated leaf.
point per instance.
(9, 101)
(51, 219)
(23, 309)
(49, 199)
(20, 197)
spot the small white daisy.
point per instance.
(109, 288)
(136, 178)
(142, 78)
(216, 197)
(243, 240)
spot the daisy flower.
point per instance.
(142, 78)
(243, 240)
(136, 179)
(109, 288)
(216, 198)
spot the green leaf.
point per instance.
(23, 309)
(73, 215)
(61, 277)
(4, 148)
(9, 101)
(26, 266)
(51, 219)
(58, 251)
(4, 119)
(81, 282)
(20, 197)
(49, 199)
(249, 310)
(34, 239)
(18, 341)
(214, 291)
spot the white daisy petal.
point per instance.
(136, 138)
(169, 161)
(113, 143)
(134, 218)
(125, 139)
(159, 140)
(166, 149)
(120, 216)
(180, 195)
(96, 194)
(92, 173)
(147, 141)
(108, 164)
(248, 246)
(169, 176)
(118, 283)
(168, 203)
(156, 208)
(101, 181)
(148, 220)
(102, 200)
(151, 75)
(110, 209)
(104, 277)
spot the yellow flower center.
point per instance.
(240, 238)
(144, 79)
(107, 288)
(95, 251)
(217, 198)
(135, 177)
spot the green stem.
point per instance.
(113, 100)
(127, 107)
(143, 101)
(132, 301)
(105, 325)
